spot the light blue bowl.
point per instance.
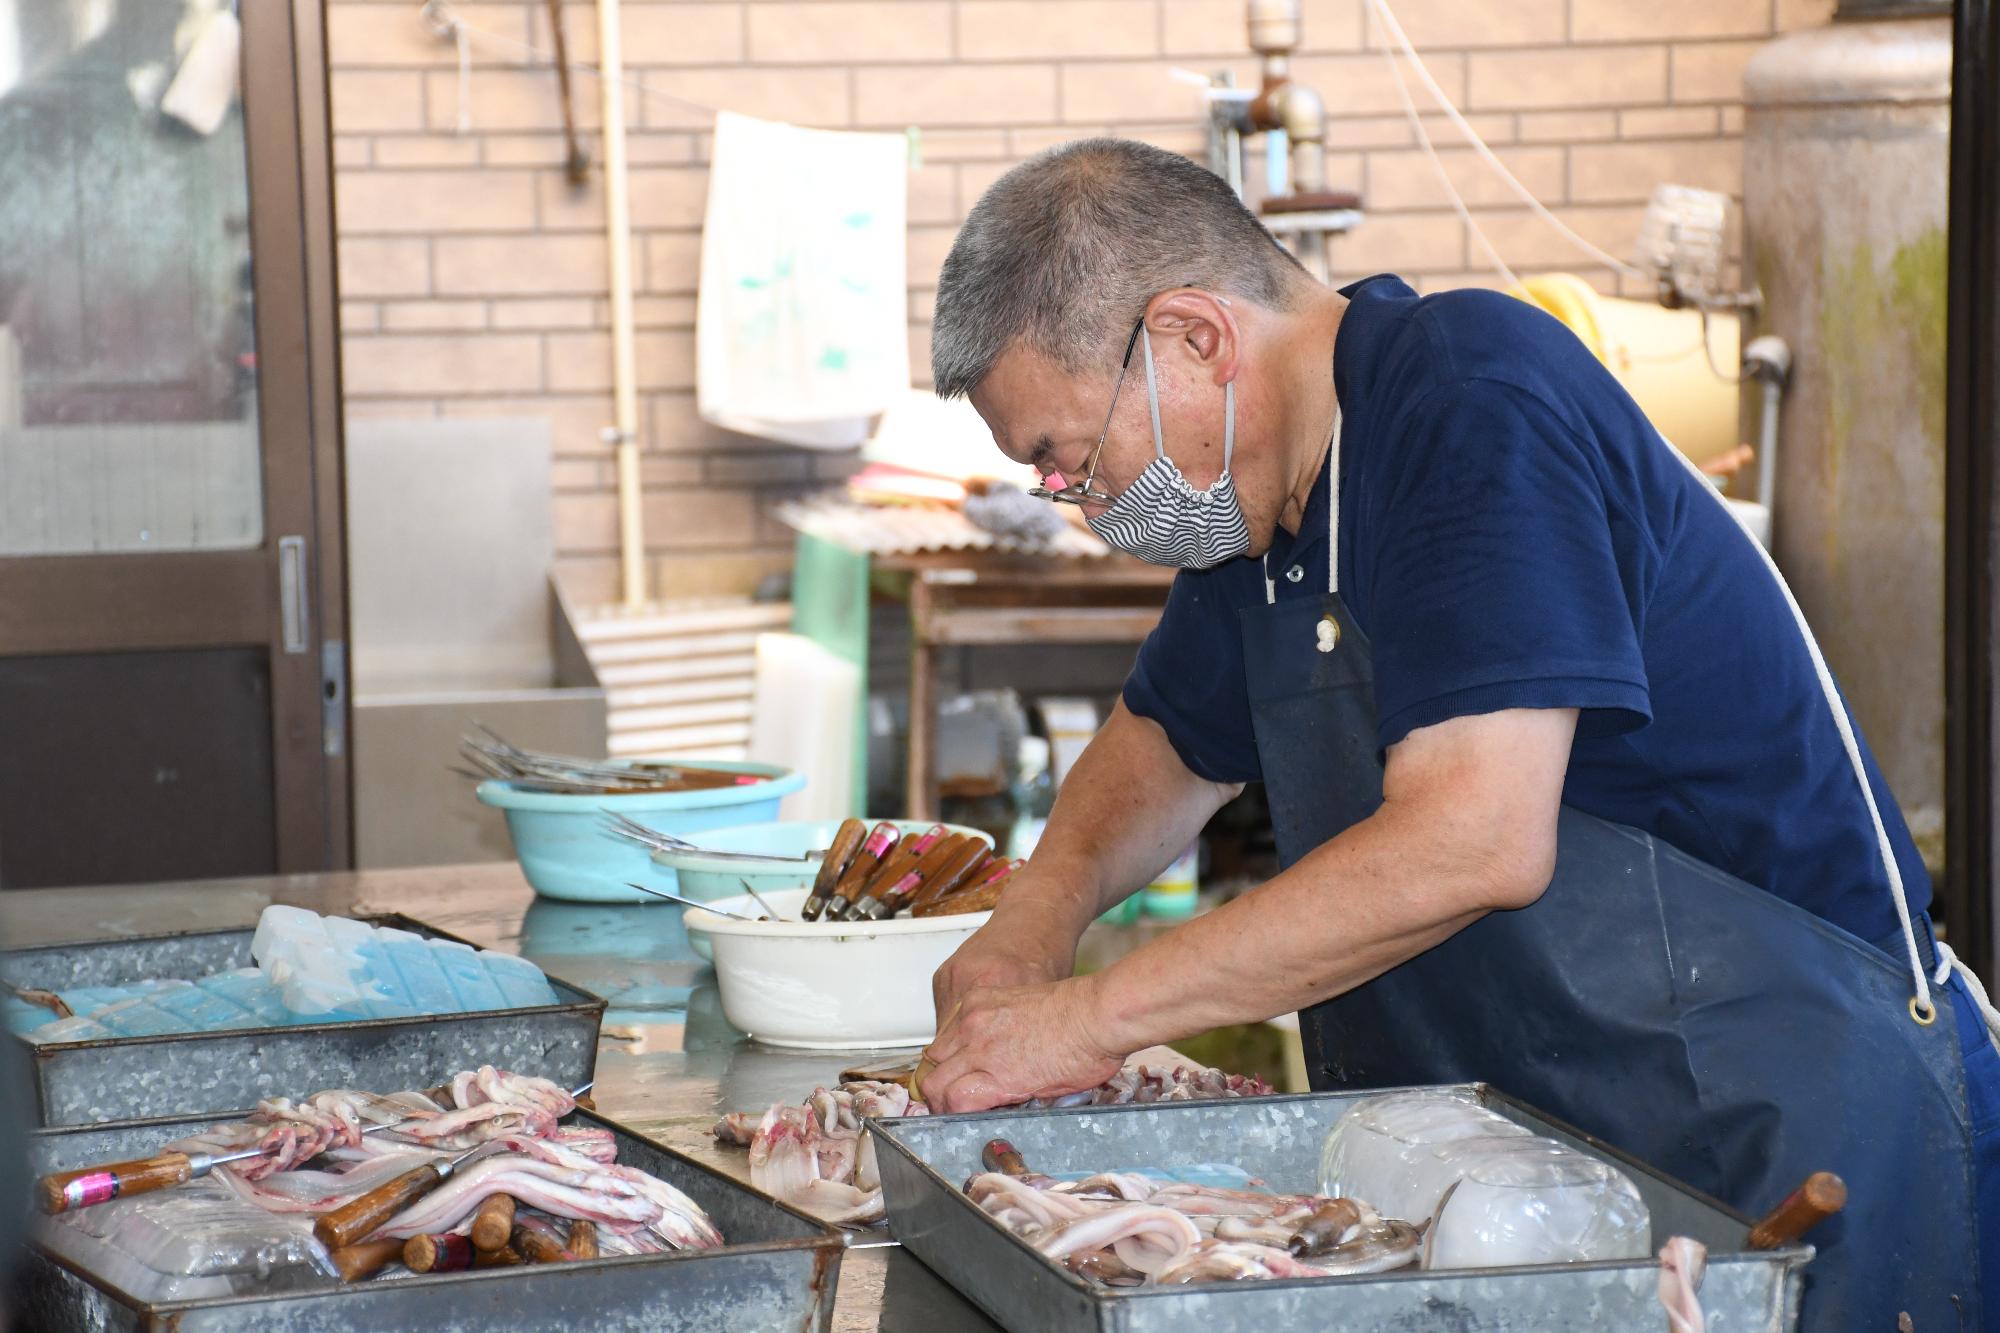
(566, 852)
(707, 879)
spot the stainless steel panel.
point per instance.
(924, 1162)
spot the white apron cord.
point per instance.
(1332, 521)
(1921, 1000)
(1948, 961)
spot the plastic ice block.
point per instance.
(140, 1016)
(203, 1011)
(423, 980)
(252, 990)
(520, 981)
(72, 1029)
(332, 968)
(280, 931)
(472, 988)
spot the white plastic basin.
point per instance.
(828, 986)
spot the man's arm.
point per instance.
(1467, 826)
(1127, 808)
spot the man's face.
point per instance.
(1051, 420)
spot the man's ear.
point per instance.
(1204, 323)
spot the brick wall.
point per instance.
(473, 275)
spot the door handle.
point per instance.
(292, 592)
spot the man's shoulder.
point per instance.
(1467, 340)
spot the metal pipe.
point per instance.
(1768, 361)
(1767, 444)
(624, 431)
(1292, 116)
(1972, 436)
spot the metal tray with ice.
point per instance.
(925, 1161)
(777, 1269)
(125, 1077)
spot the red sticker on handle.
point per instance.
(454, 1253)
(96, 1187)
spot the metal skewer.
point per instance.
(689, 902)
(632, 829)
(65, 1190)
(775, 914)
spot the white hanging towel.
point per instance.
(802, 330)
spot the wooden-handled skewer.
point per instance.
(1000, 1155)
(447, 1253)
(847, 842)
(366, 1259)
(1822, 1195)
(493, 1223)
(64, 1190)
(358, 1216)
(540, 1243)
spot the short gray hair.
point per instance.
(1063, 252)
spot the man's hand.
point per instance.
(1013, 949)
(1004, 1044)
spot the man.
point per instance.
(1565, 797)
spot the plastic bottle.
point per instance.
(1034, 796)
(1172, 895)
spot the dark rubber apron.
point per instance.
(1709, 1028)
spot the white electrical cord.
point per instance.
(1444, 177)
(1395, 29)
(440, 19)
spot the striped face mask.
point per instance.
(1164, 520)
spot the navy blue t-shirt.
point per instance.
(1515, 534)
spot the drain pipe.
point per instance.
(1768, 361)
(623, 433)
(1293, 116)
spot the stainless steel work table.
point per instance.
(667, 1062)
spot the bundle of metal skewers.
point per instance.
(866, 874)
(493, 757)
(872, 874)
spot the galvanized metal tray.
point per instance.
(926, 1160)
(214, 1073)
(777, 1270)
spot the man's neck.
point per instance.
(1308, 406)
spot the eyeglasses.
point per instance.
(1083, 492)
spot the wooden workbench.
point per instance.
(984, 598)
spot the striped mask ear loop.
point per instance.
(1153, 394)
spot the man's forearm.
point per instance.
(1127, 808)
(1377, 895)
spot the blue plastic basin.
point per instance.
(566, 852)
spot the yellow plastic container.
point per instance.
(1657, 355)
